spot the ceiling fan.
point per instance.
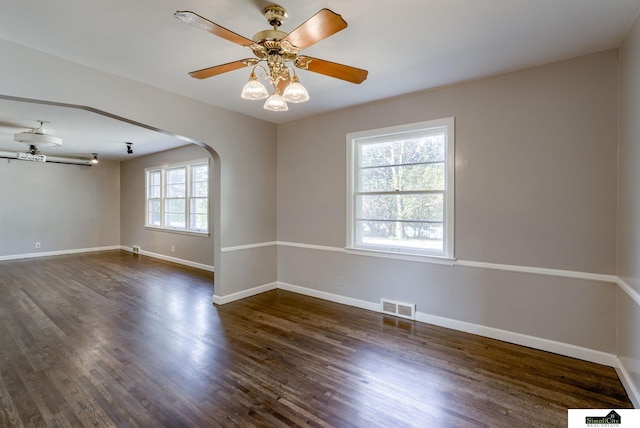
(277, 48)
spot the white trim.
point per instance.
(363, 304)
(312, 247)
(59, 252)
(247, 247)
(561, 348)
(628, 384)
(170, 259)
(178, 231)
(221, 300)
(353, 139)
(539, 271)
(401, 256)
(629, 290)
(467, 263)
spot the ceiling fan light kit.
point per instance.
(275, 102)
(254, 90)
(276, 48)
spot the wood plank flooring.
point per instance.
(116, 340)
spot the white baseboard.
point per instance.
(170, 259)
(542, 344)
(221, 300)
(363, 304)
(58, 253)
(629, 385)
(560, 348)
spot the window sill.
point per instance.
(178, 231)
(425, 258)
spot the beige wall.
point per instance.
(535, 187)
(198, 249)
(628, 326)
(64, 207)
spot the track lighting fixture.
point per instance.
(94, 159)
(129, 148)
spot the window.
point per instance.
(178, 197)
(401, 189)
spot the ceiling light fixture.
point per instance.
(278, 75)
(94, 159)
(37, 137)
(280, 52)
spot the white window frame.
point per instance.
(189, 165)
(382, 134)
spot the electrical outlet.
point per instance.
(173, 248)
(37, 245)
(340, 281)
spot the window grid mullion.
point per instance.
(401, 164)
(187, 211)
(401, 192)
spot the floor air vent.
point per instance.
(398, 309)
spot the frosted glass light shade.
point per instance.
(295, 93)
(254, 90)
(276, 103)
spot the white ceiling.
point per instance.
(407, 45)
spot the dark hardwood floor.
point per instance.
(113, 339)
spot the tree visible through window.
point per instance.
(178, 197)
(402, 189)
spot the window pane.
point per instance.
(153, 210)
(400, 151)
(154, 192)
(199, 205)
(174, 206)
(174, 213)
(154, 205)
(401, 234)
(154, 219)
(176, 191)
(200, 190)
(199, 222)
(200, 173)
(176, 175)
(407, 178)
(174, 220)
(153, 184)
(154, 178)
(427, 207)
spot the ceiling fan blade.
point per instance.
(320, 26)
(213, 28)
(219, 69)
(332, 69)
